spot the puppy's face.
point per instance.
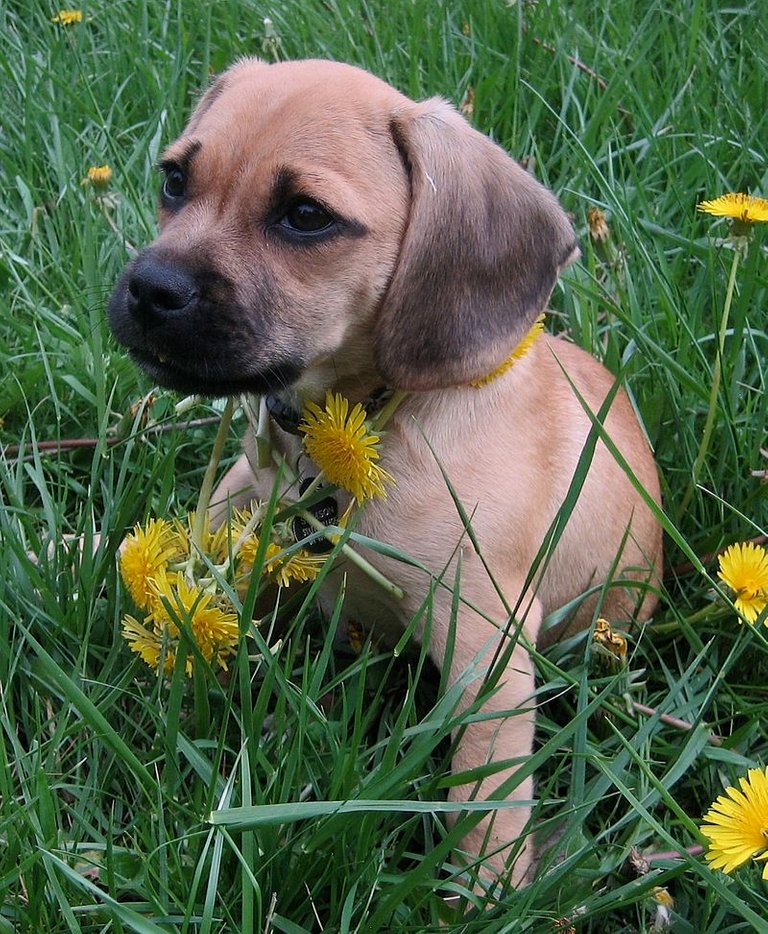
(317, 226)
(281, 214)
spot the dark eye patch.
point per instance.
(299, 216)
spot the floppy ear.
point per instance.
(479, 259)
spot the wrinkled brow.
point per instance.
(181, 155)
(285, 184)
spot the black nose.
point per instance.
(159, 287)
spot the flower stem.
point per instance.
(115, 229)
(255, 408)
(365, 566)
(389, 409)
(707, 614)
(201, 513)
(313, 486)
(709, 424)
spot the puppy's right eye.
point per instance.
(175, 184)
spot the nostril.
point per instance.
(159, 287)
(162, 297)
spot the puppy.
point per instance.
(319, 231)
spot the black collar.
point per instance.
(289, 418)
(285, 415)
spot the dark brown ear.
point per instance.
(480, 256)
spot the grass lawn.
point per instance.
(109, 774)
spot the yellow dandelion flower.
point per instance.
(242, 526)
(745, 208)
(149, 645)
(214, 543)
(736, 825)
(467, 106)
(67, 17)
(665, 905)
(248, 550)
(518, 353)
(99, 176)
(300, 565)
(744, 568)
(144, 556)
(598, 225)
(341, 445)
(662, 896)
(355, 636)
(613, 642)
(216, 630)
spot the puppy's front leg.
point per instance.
(235, 490)
(242, 483)
(502, 730)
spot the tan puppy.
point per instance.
(321, 231)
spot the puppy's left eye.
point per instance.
(174, 184)
(306, 217)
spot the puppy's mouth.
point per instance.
(206, 379)
(185, 327)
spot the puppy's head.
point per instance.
(317, 226)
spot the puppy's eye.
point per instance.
(306, 217)
(175, 184)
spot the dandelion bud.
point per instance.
(598, 225)
(67, 17)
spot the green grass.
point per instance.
(108, 775)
